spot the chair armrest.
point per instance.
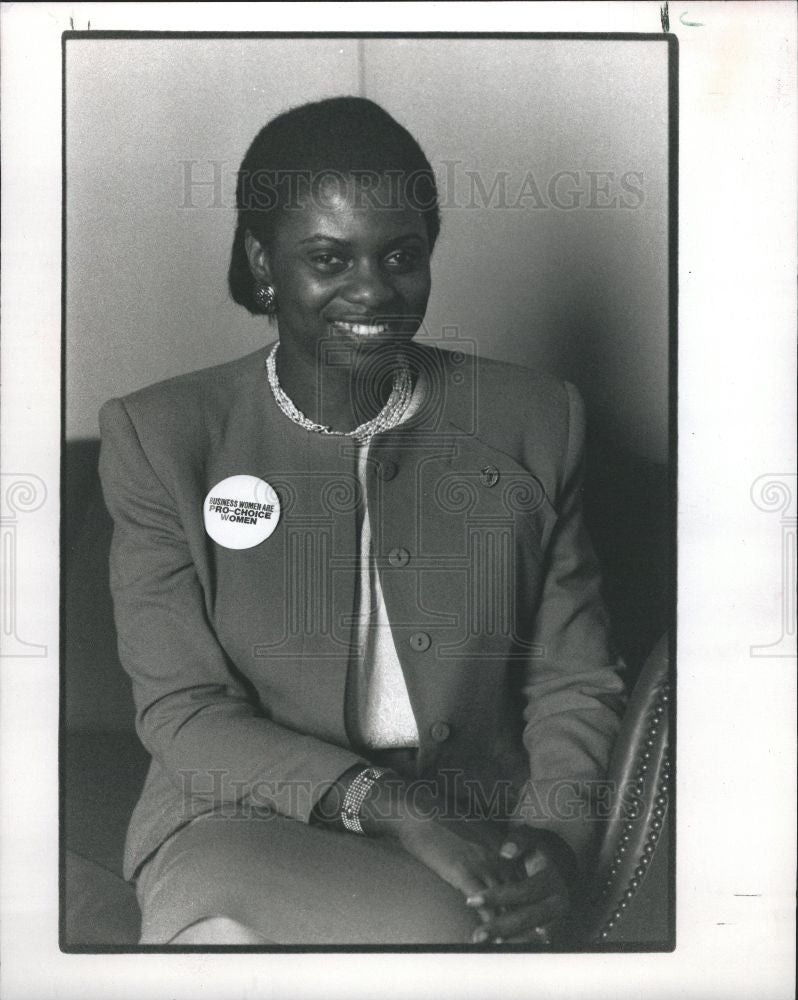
(640, 780)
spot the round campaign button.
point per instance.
(241, 511)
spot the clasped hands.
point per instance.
(518, 881)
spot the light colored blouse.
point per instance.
(383, 713)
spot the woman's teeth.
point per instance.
(362, 329)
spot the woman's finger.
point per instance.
(536, 863)
(524, 919)
(471, 883)
(545, 881)
(542, 935)
(518, 843)
(487, 876)
(524, 891)
(474, 876)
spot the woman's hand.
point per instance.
(467, 859)
(533, 908)
(463, 852)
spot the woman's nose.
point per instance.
(368, 286)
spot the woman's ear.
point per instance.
(258, 258)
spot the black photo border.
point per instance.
(671, 41)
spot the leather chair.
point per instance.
(630, 899)
(629, 902)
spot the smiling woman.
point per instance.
(346, 270)
(377, 705)
(338, 217)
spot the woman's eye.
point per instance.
(402, 260)
(327, 261)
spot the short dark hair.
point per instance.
(339, 136)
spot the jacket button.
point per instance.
(387, 470)
(439, 731)
(419, 641)
(489, 475)
(398, 557)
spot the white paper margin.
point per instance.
(736, 711)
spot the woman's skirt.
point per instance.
(293, 883)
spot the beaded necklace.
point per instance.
(389, 416)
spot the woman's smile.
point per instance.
(359, 329)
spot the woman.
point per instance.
(354, 592)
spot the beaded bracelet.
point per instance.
(355, 796)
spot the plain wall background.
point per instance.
(582, 292)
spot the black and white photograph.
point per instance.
(397, 505)
(369, 514)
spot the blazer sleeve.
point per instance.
(195, 713)
(574, 690)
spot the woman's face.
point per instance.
(348, 264)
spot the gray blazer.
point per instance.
(238, 657)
